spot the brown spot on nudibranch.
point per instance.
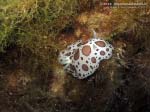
(79, 44)
(69, 48)
(71, 57)
(107, 49)
(68, 54)
(93, 59)
(91, 67)
(102, 53)
(72, 67)
(86, 50)
(100, 43)
(76, 55)
(85, 67)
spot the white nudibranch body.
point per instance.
(82, 59)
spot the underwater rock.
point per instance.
(81, 59)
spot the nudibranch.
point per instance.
(82, 59)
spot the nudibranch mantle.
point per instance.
(81, 59)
